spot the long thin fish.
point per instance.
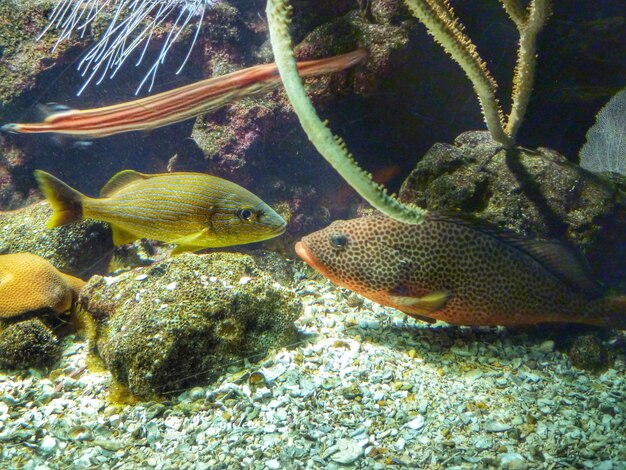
(178, 104)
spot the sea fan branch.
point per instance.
(523, 78)
(442, 24)
(332, 148)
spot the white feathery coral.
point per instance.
(133, 24)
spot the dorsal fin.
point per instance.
(121, 179)
(564, 261)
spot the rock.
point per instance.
(537, 193)
(272, 464)
(546, 346)
(417, 423)
(589, 353)
(512, 461)
(79, 249)
(156, 339)
(345, 451)
(496, 426)
(48, 444)
(28, 343)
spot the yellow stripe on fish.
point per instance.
(191, 210)
(179, 104)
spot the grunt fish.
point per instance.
(462, 271)
(178, 104)
(190, 210)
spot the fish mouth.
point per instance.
(305, 253)
(280, 229)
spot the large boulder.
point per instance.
(532, 192)
(184, 319)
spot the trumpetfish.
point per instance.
(462, 271)
(179, 104)
(191, 210)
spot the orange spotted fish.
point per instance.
(178, 104)
(460, 270)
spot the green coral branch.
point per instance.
(523, 78)
(332, 148)
(442, 24)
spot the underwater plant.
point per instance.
(134, 22)
(441, 22)
(331, 147)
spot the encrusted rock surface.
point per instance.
(28, 343)
(80, 249)
(168, 325)
(537, 193)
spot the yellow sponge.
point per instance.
(29, 282)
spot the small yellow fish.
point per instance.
(191, 210)
(460, 270)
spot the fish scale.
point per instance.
(460, 270)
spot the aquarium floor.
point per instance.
(366, 387)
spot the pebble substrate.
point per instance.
(367, 387)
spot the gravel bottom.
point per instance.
(367, 387)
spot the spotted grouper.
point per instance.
(462, 271)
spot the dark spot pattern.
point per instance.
(491, 282)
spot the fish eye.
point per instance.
(245, 214)
(338, 241)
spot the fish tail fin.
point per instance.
(613, 312)
(66, 202)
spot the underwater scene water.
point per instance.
(312, 234)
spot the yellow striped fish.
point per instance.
(191, 210)
(178, 104)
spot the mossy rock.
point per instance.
(28, 343)
(535, 193)
(79, 249)
(173, 324)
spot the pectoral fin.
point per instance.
(428, 303)
(121, 236)
(195, 241)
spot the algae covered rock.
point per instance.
(536, 193)
(169, 325)
(28, 343)
(79, 249)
